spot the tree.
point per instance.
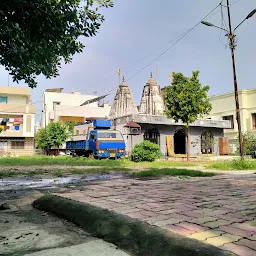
(54, 135)
(37, 35)
(42, 141)
(186, 100)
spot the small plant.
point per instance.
(242, 164)
(145, 151)
(59, 173)
(236, 164)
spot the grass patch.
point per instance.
(82, 161)
(61, 173)
(59, 160)
(170, 172)
(236, 164)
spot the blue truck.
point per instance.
(97, 139)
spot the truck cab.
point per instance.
(106, 143)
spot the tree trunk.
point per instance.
(188, 144)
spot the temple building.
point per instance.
(148, 122)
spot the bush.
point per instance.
(145, 151)
(249, 143)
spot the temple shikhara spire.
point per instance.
(151, 101)
(124, 103)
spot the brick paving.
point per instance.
(220, 210)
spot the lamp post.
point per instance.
(232, 45)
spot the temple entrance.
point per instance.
(152, 135)
(180, 142)
(207, 143)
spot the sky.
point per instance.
(137, 31)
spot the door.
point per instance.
(169, 144)
(223, 146)
(92, 141)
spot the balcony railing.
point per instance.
(17, 108)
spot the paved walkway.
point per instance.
(220, 210)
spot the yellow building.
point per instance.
(17, 120)
(224, 108)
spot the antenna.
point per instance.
(119, 74)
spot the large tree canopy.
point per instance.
(37, 35)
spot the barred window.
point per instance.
(19, 144)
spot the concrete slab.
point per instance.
(27, 231)
(92, 248)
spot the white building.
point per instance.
(224, 108)
(66, 107)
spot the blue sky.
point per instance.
(134, 29)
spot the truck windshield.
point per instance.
(109, 135)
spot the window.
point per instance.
(3, 99)
(55, 103)
(19, 144)
(229, 118)
(254, 121)
(3, 145)
(109, 135)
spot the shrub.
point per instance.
(145, 151)
(249, 143)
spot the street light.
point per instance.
(232, 45)
(212, 25)
(248, 17)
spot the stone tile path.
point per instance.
(220, 210)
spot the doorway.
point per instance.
(207, 143)
(180, 142)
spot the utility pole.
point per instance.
(232, 45)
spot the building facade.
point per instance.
(224, 108)
(66, 107)
(171, 136)
(17, 121)
(149, 123)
